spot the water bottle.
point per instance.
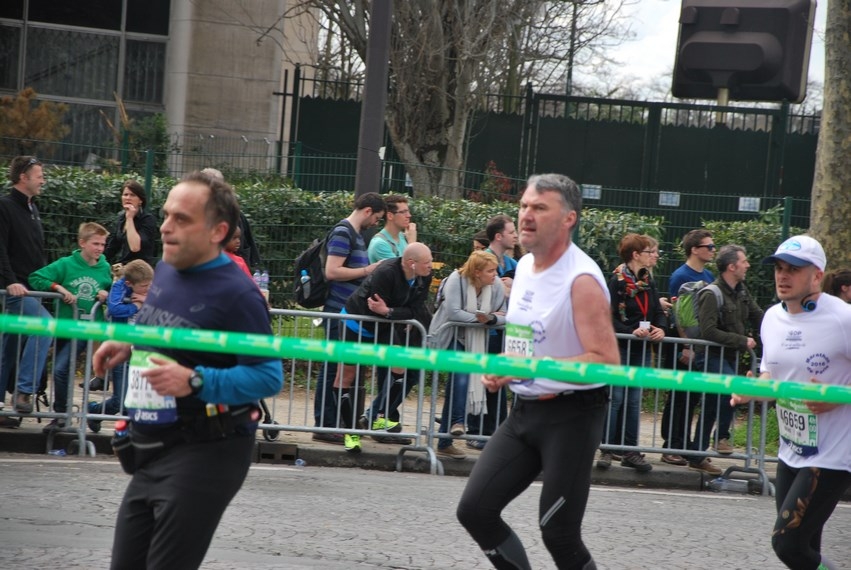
(264, 284)
(305, 283)
(120, 428)
(299, 463)
(720, 484)
(257, 278)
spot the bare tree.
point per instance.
(445, 54)
(831, 207)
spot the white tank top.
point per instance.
(542, 301)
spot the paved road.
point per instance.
(59, 513)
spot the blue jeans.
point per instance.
(625, 404)
(325, 398)
(715, 406)
(34, 354)
(64, 362)
(114, 403)
(455, 403)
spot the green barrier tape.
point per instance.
(418, 358)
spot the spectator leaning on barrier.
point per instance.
(21, 253)
(389, 243)
(193, 413)
(677, 415)
(397, 291)
(346, 266)
(471, 294)
(731, 326)
(806, 338)
(82, 278)
(635, 310)
(125, 299)
(554, 427)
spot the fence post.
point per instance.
(125, 150)
(149, 173)
(295, 163)
(787, 217)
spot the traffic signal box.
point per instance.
(759, 50)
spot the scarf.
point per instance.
(475, 340)
(632, 285)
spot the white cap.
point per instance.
(799, 251)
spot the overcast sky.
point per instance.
(656, 24)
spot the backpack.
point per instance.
(685, 309)
(314, 292)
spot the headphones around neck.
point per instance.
(808, 306)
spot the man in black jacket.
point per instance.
(397, 290)
(730, 324)
(21, 253)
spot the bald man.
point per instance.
(397, 290)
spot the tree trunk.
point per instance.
(831, 198)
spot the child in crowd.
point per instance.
(82, 279)
(232, 251)
(125, 300)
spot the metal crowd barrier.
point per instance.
(293, 409)
(665, 354)
(478, 427)
(11, 349)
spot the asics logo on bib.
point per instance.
(146, 416)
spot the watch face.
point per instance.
(196, 381)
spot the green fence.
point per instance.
(289, 211)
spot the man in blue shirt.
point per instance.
(699, 249)
(346, 266)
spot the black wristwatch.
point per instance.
(196, 382)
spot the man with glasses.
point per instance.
(21, 253)
(389, 243)
(699, 249)
(397, 233)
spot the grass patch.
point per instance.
(772, 433)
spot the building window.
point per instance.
(148, 16)
(144, 71)
(71, 64)
(10, 50)
(100, 14)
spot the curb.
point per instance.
(376, 456)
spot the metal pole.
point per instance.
(368, 174)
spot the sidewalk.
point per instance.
(292, 445)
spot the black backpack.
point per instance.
(313, 292)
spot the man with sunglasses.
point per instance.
(21, 253)
(699, 249)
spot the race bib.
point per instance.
(519, 340)
(798, 426)
(144, 405)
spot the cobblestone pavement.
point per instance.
(59, 513)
